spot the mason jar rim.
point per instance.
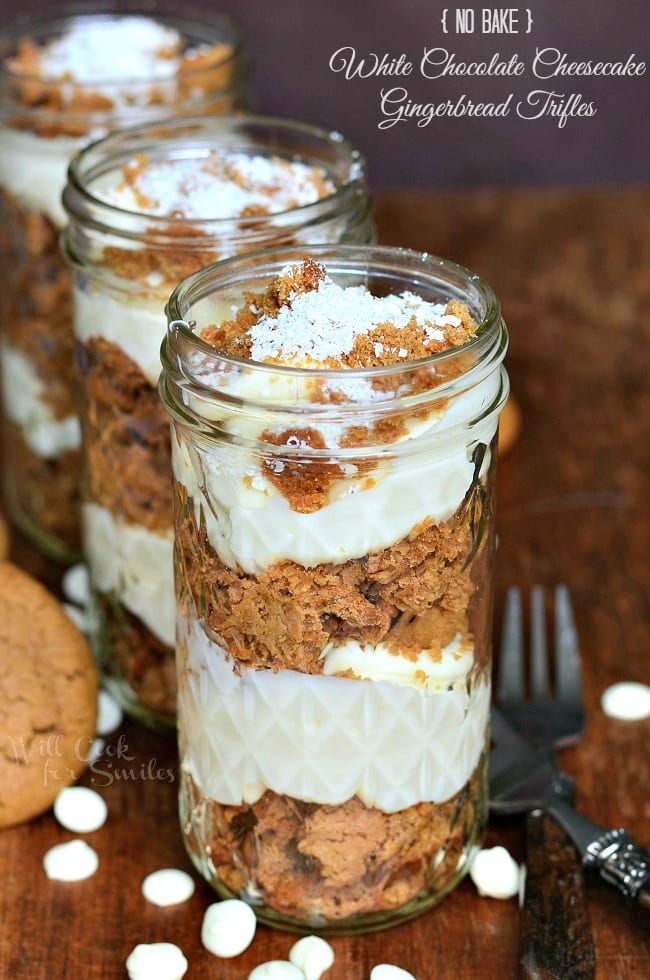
(39, 19)
(82, 204)
(194, 288)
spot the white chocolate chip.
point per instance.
(312, 955)
(76, 584)
(156, 961)
(97, 747)
(73, 861)
(228, 928)
(626, 701)
(276, 970)
(78, 616)
(80, 810)
(169, 886)
(385, 971)
(495, 873)
(109, 714)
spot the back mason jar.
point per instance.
(146, 208)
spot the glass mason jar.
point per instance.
(43, 123)
(125, 265)
(334, 550)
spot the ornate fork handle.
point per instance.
(619, 861)
(617, 858)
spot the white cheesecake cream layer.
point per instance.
(133, 564)
(26, 406)
(326, 739)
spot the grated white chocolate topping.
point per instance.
(215, 185)
(100, 50)
(324, 323)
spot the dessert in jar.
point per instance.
(146, 208)
(66, 80)
(334, 427)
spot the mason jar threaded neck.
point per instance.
(205, 92)
(197, 376)
(195, 138)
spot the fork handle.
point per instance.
(621, 863)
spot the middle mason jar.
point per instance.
(147, 207)
(334, 423)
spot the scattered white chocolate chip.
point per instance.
(169, 886)
(385, 971)
(76, 584)
(73, 861)
(276, 970)
(495, 873)
(97, 747)
(109, 714)
(626, 701)
(156, 961)
(312, 955)
(228, 928)
(80, 810)
(77, 616)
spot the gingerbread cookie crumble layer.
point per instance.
(332, 633)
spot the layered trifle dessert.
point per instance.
(333, 448)
(63, 83)
(146, 209)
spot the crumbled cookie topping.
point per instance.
(305, 319)
(217, 185)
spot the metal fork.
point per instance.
(547, 721)
(555, 934)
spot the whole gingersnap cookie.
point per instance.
(48, 697)
(509, 425)
(4, 539)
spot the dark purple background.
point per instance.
(291, 42)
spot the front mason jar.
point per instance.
(67, 79)
(334, 550)
(144, 212)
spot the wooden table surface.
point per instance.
(572, 269)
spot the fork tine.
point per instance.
(538, 646)
(568, 681)
(511, 655)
